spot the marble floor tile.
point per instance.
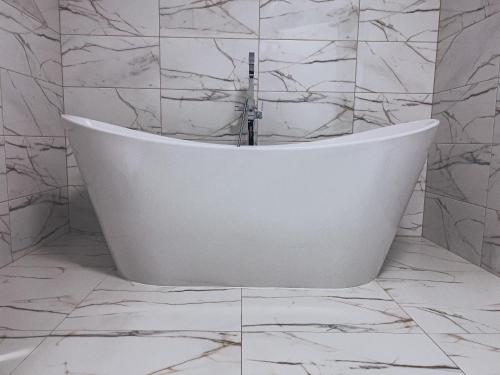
(39, 298)
(442, 292)
(118, 304)
(346, 353)
(474, 354)
(15, 346)
(71, 251)
(362, 309)
(190, 353)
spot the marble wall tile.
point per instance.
(466, 114)
(33, 48)
(161, 353)
(292, 65)
(3, 172)
(35, 164)
(396, 67)
(5, 252)
(459, 171)
(494, 180)
(37, 218)
(1, 106)
(407, 20)
(496, 132)
(216, 18)
(111, 61)
(461, 60)
(224, 65)
(189, 114)
(31, 107)
(490, 257)
(132, 108)
(372, 111)
(110, 17)
(309, 19)
(411, 222)
(455, 225)
(475, 354)
(74, 176)
(347, 353)
(81, 212)
(300, 116)
(46, 12)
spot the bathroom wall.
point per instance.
(462, 203)
(179, 68)
(33, 193)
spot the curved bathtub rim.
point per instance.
(375, 135)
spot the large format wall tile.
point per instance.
(300, 116)
(35, 164)
(5, 252)
(397, 67)
(402, 20)
(224, 65)
(3, 172)
(461, 59)
(494, 182)
(1, 107)
(411, 222)
(132, 108)
(372, 111)
(290, 65)
(111, 61)
(27, 46)
(466, 114)
(303, 116)
(37, 218)
(110, 17)
(459, 171)
(490, 257)
(189, 114)
(309, 19)
(456, 225)
(30, 106)
(496, 132)
(216, 18)
(74, 176)
(81, 213)
(46, 12)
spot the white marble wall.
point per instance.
(325, 68)
(462, 205)
(33, 182)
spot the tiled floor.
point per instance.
(63, 310)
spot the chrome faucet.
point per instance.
(250, 112)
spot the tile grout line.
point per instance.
(419, 326)
(241, 331)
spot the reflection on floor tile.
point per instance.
(475, 354)
(118, 304)
(363, 309)
(15, 346)
(136, 353)
(348, 353)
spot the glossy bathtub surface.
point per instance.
(319, 214)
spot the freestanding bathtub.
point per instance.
(318, 214)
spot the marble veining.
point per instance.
(309, 19)
(493, 190)
(459, 171)
(401, 20)
(209, 18)
(91, 61)
(227, 69)
(490, 256)
(288, 65)
(109, 17)
(466, 114)
(81, 212)
(5, 252)
(64, 310)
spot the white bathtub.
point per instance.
(319, 214)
